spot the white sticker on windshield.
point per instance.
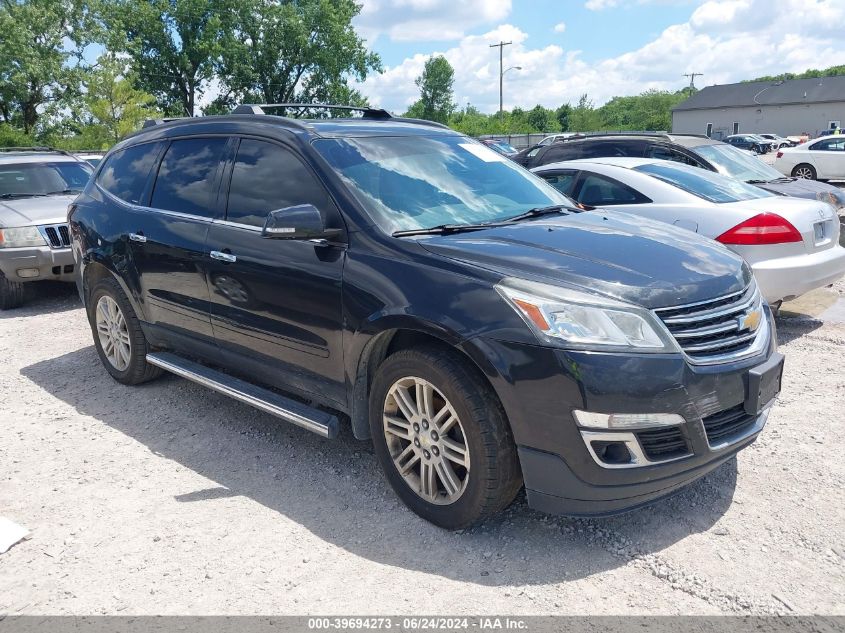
(484, 153)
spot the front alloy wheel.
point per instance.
(113, 333)
(426, 440)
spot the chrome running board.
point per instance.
(309, 418)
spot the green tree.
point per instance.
(562, 115)
(583, 117)
(41, 44)
(541, 119)
(302, 52)
(436, 102)
(113, 101)
(174, 45)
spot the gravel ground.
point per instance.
(170, 499)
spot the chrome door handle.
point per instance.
(137, 237)
(223, 257)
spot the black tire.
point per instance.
(494, 476)
(804, 168)
(138, 370)
(11, 293)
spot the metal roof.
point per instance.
(814, 90)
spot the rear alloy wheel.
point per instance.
(805, 171)
(442, 438)
(118, 337)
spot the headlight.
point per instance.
(835, 198)
(21, 236)
(573, 319)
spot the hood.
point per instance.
(29, 211)
(629, 258)
(804, 188)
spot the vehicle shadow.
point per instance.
(45, 296)
(336, 490)
(794, 326)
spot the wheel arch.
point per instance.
(94, 272)
(401, 336)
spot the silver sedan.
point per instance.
(791, 243)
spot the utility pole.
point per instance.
(501, 46)
(692, 77)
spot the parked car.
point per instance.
(822, 159)
(92, 158)
(502, 147)
(695, 150)
(447, 303)
(554, 138)
(751, 142)
(778, 141)
(36, 186)
(791, 244)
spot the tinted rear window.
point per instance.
(704, 184)
(187, 176)
(126, 171)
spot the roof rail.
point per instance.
(34, 148)
(401, 119)
(258, 108)
(154, 122)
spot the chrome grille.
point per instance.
(57, 235)
(719, 329)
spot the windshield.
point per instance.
(505, 147)
(702, 183)
(33, 179)
(414, 182)
(736, 163)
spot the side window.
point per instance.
(186, 178)
(268, 177)
(561, 180)
(661, 152)
(558, 152)
(598, 191)
(830, 145)
(125, 173)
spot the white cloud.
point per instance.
(560, 27)
(427, 20)
(763, 37)
(599, 5)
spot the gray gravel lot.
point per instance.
(170, 499)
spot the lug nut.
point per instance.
(427, 454)
(416, 427)
(425, 424)
(416, 441)
(434, 436)
(435, 450)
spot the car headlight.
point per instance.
(835, 198)
(21, 236)
(579, 320)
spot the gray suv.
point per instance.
(36, 186)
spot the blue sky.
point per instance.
(601, 47)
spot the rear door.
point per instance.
(276, 304)
(167, 242)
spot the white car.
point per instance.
(819, 159)
(92, 158)
(792, 244)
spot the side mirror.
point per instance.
(299, 222)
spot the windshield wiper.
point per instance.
(536, 212)
(445, 229)
(7, 196)
(757, 181)
(62, 192)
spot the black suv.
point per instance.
(404, 279)
(689, 149)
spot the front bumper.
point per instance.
(55, 264)
(540, 387)
(789, 277)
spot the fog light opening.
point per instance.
(612, 452)
(27, 273)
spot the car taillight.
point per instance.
(765, 228)
(779, 155)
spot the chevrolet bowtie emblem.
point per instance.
(750, 321)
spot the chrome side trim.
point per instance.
(250, 394)
(638, 457)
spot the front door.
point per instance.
(276, 304)
(167, 242)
